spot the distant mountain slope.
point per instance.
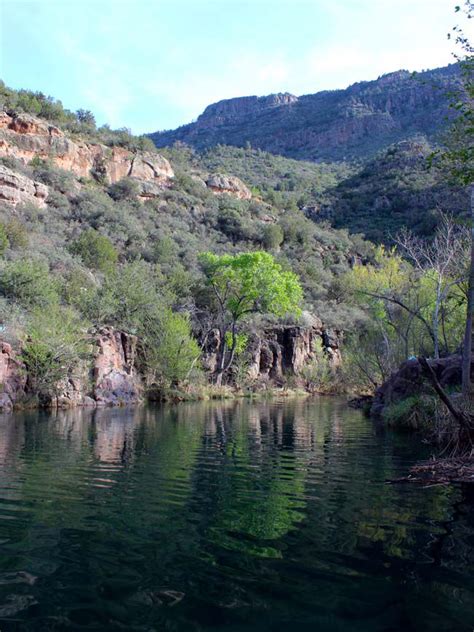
(332, 125)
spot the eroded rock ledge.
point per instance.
(114, 378)
(25, 137)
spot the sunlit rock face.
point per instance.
(281, 351)
(12, 377)
(16, 188)
(25, 137)
(116, 381)
(221, 184)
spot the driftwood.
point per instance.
(463, 419)
(440, 472)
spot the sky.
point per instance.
(155, 64)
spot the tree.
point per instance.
(243, 284)
(441, 263)
(169, 348)
(86, 117)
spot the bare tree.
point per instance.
(444, 259)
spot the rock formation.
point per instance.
(16, 188)
(25, 137)
(113, 379)
(230, 185)
(282, 351)
(12, 378)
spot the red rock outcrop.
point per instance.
(25, 137)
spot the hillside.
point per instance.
(349, 124)
(376, 198)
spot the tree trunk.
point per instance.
(467, 346)
(219, 372)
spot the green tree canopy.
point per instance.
(246, 283)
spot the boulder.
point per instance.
(408, 381)
(221, 184)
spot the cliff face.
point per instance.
(114, 377)
(25, 137)
(112, 380)
(338, 124)
(282, 352)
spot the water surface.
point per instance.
(236, 516)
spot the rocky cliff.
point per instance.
(281, 352)
(338, 124)
(112, 379)
(25, 137)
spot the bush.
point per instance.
(53, 346)
(171, 351)
(4, 242)
(29, 282)
(126, 189)
(318, 373)
(272, 236)
(413, 413)
(16, 233)
(96, 250)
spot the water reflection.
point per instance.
(235, 515)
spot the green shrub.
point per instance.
(414, 413)
(96, 250)
(126, 189)
(16, 233)
(4, 241)
(170, 350)
(29, 282)
(53, 346)
(272, 236)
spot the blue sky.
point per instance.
(153, 64)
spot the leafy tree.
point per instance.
(244, 284)
(95, 250)
(86, 118)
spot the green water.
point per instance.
(235, 516)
